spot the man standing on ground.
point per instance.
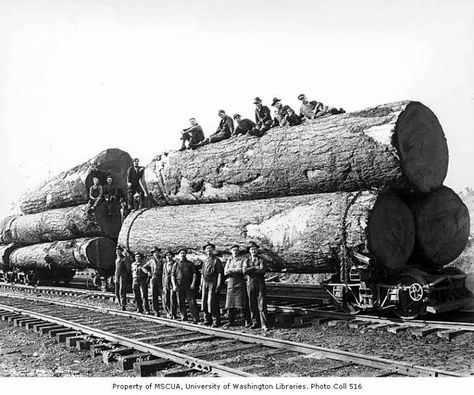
(169, 296)
(154, 267)
(183, 278)
(122, 271)
(193, 135)
(140, 284)
(134, 183)
(211, 281)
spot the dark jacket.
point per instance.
(226, 126)
(263, 116)
(244, 126)
(134, 175)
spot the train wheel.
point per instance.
(412, 303)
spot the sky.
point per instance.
(77, 77)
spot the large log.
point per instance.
(399, 145)
(71, 187)
(442, 227)
(5, 252)
(95, 253)
(298, 234)
(60, 224)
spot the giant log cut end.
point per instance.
(391, 232)
(422, 147)
(5, 252)
(100, 253)
(442, 227)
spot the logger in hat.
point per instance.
(211, 280)
(263, 117)
(170, 303)
(281, 113)
(140, 284)
(121, 275)
(154, 267)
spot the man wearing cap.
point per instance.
(122, 272)
(111, 195)
(169, 300)
(211, 281)
(236, 298)
(154, 268)
(183, 278)
(281, 113)
(244, 126)
(315, 109)
(140, 284)
(134, 183)
(263, 118)
(254, 267)
(193, 135)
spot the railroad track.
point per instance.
(152, 345)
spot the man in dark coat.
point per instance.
(263, 117)
(134, 179)
(170, 303)
(122, 273)
(314, 109)
(211, 281)
(244, 126)
(224, 130)
(154, 267)
(183, 278)
(282, 112)
(111, 196)
(254, 267)
(140, 284)
(194, 135)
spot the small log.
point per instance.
(60, 224)
(442, 227)
(96, 253)
(299, 234)
(398, 145)
(71, 187)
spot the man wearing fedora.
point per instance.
(254, 267)
(282, 112)
(212, 274)
(168, 298)
(263, 117)
(122, 272)
(183, 278)
(154, 267)
(236, 298)
(314, 109)
(140, 284)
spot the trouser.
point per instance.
(257, 300)
(216, 137)
(210, 303)
(184, 294)
(193, 140)
(93, 203)
(132, 204)
(121, 290)
(156, 291)
(170, 303)
(140, 290)
(110, 202)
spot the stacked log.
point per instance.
(5, 252)
(297, 234)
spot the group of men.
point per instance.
(283, 115)
(177, 281)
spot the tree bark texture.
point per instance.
(95, 253)
(306, 234)
(399, 145)
(5, 251)
(442, 227)
(71, 187)
(60, 224)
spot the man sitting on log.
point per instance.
(282, 112)
(314, 109)
(111, 195)
(245, 126)
(122, 272)
(96, 194)
(169, 297)
(254, 267)
(193, 135)
(224, 130)
(263, 118)
(140, 284)
(183, 278)
(154, 267)
(211, 281)
(134, 183)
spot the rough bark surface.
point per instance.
(400, 145)
(60, 224)
(5, 251)
(442, 227)
(298, 234)
(71, 187)
(95, 253)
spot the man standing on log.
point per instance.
(193, 135)
(211, 281)
(236, 298)
(169, 296)
(154, 267)
(96, 194)
(111, 195)
(254, 267)
(140, 284)
(314, 109)
(282, 113)
(134, 183)
(122, 271)
(263, 118)
(183, 278)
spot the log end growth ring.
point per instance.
(422, 147)
(100, 252)
(391, 232)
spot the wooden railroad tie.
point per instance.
(149, 368)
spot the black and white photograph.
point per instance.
(236, 196)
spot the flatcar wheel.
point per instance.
(412, 304)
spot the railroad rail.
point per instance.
(155, 344)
